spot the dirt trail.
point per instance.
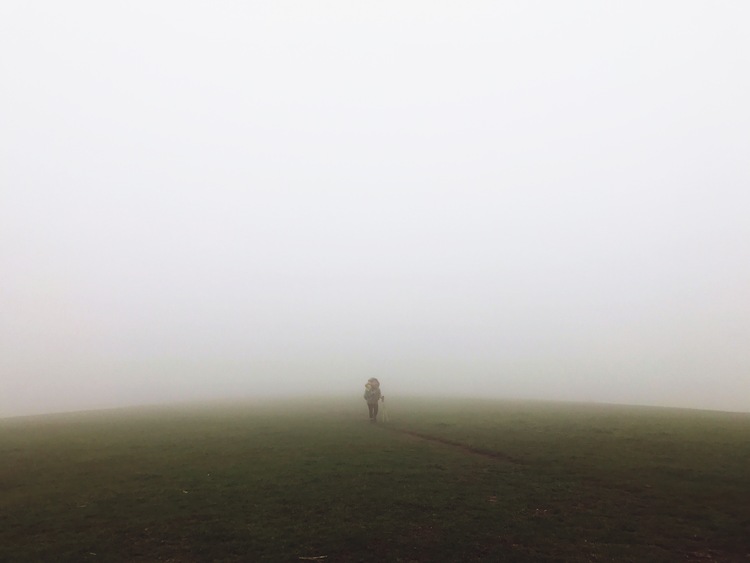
(463, 447)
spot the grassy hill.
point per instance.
(442, 481)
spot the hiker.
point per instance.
(372, 396)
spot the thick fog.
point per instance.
(544, 200)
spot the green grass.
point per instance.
(443, 481)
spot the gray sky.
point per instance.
(516, 199)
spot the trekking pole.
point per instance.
(385, 410)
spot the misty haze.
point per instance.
(537, 201)
(374, 281)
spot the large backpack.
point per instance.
(372, 394)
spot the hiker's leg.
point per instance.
(370, 408)
(375, 410)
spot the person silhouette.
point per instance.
(372, 396)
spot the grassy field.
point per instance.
(442, 481)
